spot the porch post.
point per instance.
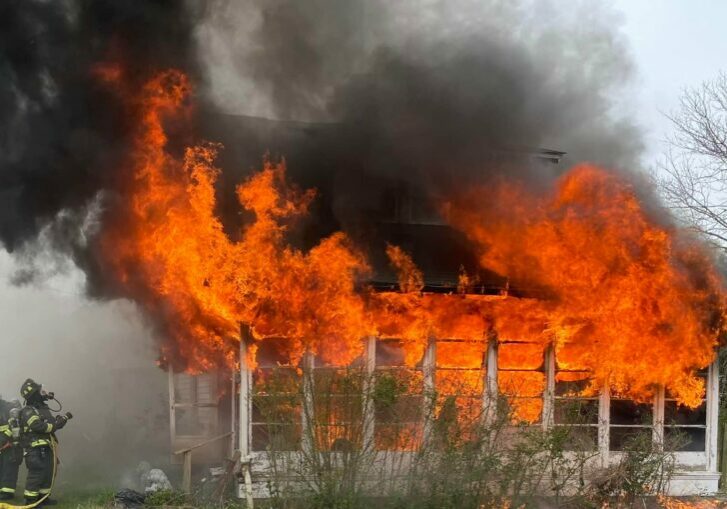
(549, 392)
(429, 365)
(658, 410)
(369, 412)
(308, 438)
(490, 394)
(244, 424)
(172, 409)
(233, 412)
(713, 416)
(604, 418)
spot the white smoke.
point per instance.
(99, 359)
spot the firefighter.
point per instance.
(11, 453)
(38, 427)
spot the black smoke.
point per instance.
(367, 95)
(431, 79)
(63, 133)
(414, 97)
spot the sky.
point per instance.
(675, 44)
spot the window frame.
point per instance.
(705, 460)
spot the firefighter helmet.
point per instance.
(29, 388)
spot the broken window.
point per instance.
(460, 377)
(402, 407)
(629, 422)
(398, 398)
(407, 205)
(338, 403)
(276, 399)
(521, 379)
(576, 400)
(685, 429)
(575, 407)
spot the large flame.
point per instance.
(174, 256)
(628, 300)
(638, 303)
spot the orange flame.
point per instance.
(630, 301)
(673, 503)
(411, 278)
(637, 303)
(174, 256)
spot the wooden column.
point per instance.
(549, 392)
(245, 410)
(172, 409)
(233, 411)
(713, 418)
(604, 417)
(369, 412)
(658, 410)
(244, 403)
(429, 365)
(187, 472)
(308, 417)
(490, 393)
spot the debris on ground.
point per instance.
(152, 480)
(129, 499)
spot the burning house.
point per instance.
(451, 330)
(406, 271)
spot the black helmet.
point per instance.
(29, 388)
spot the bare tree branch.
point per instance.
(693, 176)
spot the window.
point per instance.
(402, 408)
(460, 377)
(276, 399)
(338, 394)
(576, 400)
(195, 401)
(398, 399)
(685, 429)
(628, 421)
(521, 379)
(575, 406)
(412, 206)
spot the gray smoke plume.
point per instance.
(418, 91)
(421, 93)
(425, 82)
(427, 94)
(62, 132)
(99, 360)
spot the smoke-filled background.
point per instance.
(435, 78)
(413, 90)
(61, 139)
(99, 360)
(418, 91)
